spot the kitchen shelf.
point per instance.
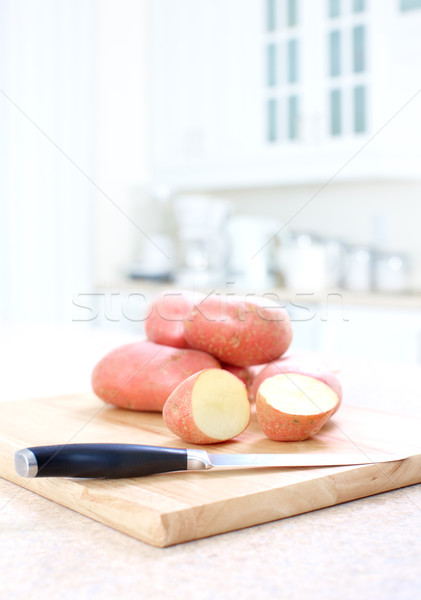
(410, 300)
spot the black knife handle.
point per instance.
(98, 460)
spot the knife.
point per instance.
(133, 460)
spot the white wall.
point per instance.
(121, 117)
(72, 121)
(46, 116)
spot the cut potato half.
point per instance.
(292, 407)
(209, 407)
(300, 364)
(220, 405)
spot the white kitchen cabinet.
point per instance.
(215, 67)
(206, 84)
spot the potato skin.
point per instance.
(165, 323)
(253, 372)
(243, 373)
(141, 375)
(285, 427)
(178, 414)
(302, 365)
(238, 331)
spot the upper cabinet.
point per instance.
(272, 92)
(206, 86)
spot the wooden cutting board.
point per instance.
(177, 507)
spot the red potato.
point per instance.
(254, 371)
(142, 375)
(293, 407)
(243, 373)
(246, 374)
(302, 365)
(208, 407)
(165, 323)
(239, 331)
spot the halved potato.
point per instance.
(292, 407)
(208, 407)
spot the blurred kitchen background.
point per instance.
(259, 146)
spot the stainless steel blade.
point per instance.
(299, 460)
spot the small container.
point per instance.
(156, 259)
(391, 271)
(252, 242)
(302, 259)
(358, 275)
(201, 229)
(335, 264)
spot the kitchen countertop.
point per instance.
(368, 548)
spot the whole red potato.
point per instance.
(165, 322)
(239, 331)
(142, 375)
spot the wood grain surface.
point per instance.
(177, 507)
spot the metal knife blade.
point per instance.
(299, 460)
(107, 460)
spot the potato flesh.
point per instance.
(220, 405)
(298, 394)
